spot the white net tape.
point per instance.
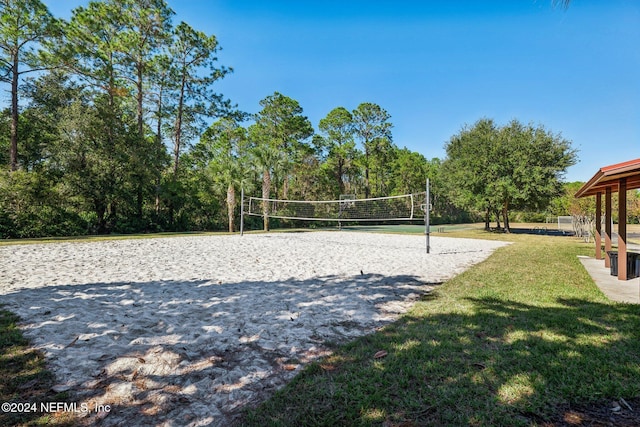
(394, 208)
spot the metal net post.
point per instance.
(427, 219)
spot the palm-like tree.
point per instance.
(229, 176)
(224, 146)
(266, 158)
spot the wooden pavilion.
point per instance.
(619, 178)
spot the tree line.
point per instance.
(114, 125)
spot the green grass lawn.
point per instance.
(519, 339)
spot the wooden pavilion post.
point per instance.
(622, 229)
(620, 177)
(598, 236)
(607, 226)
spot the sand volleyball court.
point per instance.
(187, 331)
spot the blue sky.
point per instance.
(438, 65)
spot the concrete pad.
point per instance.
(614, 289)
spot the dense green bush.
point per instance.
(42, 221)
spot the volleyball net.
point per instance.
(405, 207)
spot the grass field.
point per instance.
(524, 338)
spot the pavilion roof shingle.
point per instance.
(608, 176)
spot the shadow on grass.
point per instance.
(539, 231)
(499, 363)
(23, 378)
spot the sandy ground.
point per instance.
(188, 331)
